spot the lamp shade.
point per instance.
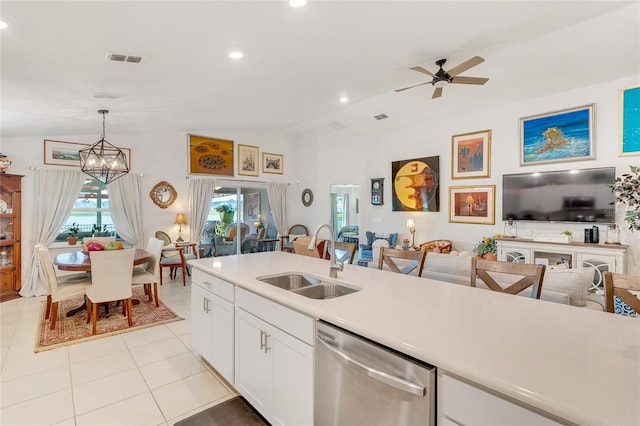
(181, 219)
(411, 224)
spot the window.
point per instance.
(90, 211)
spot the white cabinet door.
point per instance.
(200, 322)
(601, 264)
(253, 364)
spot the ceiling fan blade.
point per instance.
(411, 87)
(422, 70)
(437, 93)
(469, 80)
(465, 65)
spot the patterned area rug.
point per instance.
(74, 329)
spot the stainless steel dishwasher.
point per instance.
(359, 382)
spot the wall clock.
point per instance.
(377, 186)
(307, 197)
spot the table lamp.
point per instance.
(411, 225)
(181, 219)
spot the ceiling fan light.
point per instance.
(440, 83)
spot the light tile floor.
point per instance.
(145, 377)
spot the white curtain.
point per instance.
(200, 196)
(55, 192)
(277, 193)
(346, 212)
(125, 206)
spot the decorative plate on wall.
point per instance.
(307, 197)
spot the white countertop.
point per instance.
(575, 363)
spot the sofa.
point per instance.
(566, 286)
(366, 249)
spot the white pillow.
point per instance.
(574, 282)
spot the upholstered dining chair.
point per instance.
(345, 252)
(59, 288)
(389, 257)
(527, 275)
(295, 231)
(621, 286)
(111, 279)
(173, 261)
(151, 273)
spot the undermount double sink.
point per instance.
(308, 285)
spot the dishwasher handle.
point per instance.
(381, 376)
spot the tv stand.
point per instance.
(603, 257)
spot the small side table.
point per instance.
(268, 244)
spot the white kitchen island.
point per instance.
(578, 365)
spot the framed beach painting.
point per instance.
(416, 185)
(60, 153)
(472, 204)
(272, 163)
(630, 121)
(566, 135)
(209, 156)
(248, 160)
(471, 155)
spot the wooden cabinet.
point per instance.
(464, 403)
(10, 236)
(602, 257)
(274, 360)
(212, 322)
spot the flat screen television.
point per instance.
(560, 196)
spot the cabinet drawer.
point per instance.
(217, 286)
(288, 320)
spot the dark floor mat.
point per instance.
(234, 412)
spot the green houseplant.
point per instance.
(226, 213)
(487, 247)
(627, 190)
(73, 231)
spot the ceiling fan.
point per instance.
(441, 78)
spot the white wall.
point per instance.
(359, 157)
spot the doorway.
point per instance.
(345, 211)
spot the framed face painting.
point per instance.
(558, 136)
(472, 204)
(416, 184)
(247, 160)
(471, 155)
(210, 156)
(630, 121)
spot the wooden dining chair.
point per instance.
(389, 257)
(301, 247)
(150, 275)
(621, 285)
(59, 288)
(111, 279)
(173, 261)
(530, 276)
(345, 252)
(295, 231)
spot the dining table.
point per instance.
(80, 261)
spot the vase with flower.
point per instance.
(405, 243)
(487, 248)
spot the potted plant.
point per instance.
(72, 239)
(97, 232)
(226, 213)
(487, 248)
(627, 190)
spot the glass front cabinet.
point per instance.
(602, 257)
(10, 227)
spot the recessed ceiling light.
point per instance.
(236, 54)
(344, 99)
(297, 3)
(3, 25)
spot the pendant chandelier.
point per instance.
(102, 160)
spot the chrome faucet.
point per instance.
(334, 267)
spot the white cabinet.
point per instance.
(463, 403)
(212, 322)
(602, 257)
(274, 360)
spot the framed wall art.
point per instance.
(377, 191)
(210, 156)
(272, 163)
(472, 204)
(471, 155)
(629, 121)
(416, 184)
(60, 153)
(253, 205)
(248, 160)
(558, 136)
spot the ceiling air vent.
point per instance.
(106, 95)
(119, 57)
(380, 116)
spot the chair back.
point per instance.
(154, 248)
(345, 252)
(111, 275)
(164, 237)
(46, 264)
(531, 276)
(231, 231)
(390, 257)
(301, 246)
(298, 230)
(621, 285)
